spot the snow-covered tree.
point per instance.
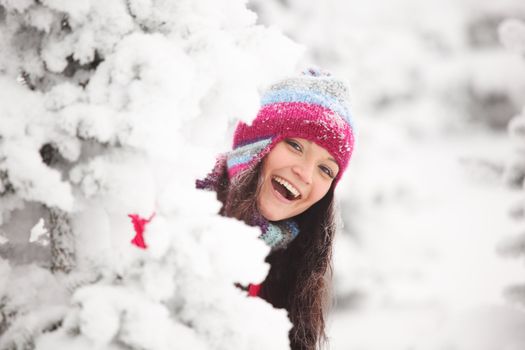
(110, 109)
(512, 35)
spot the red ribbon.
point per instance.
(139, 225)
(253, 290)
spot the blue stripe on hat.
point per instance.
(239, 160)
(246, 153)
(307, 96)
(251, 146)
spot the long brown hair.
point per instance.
(300, 276)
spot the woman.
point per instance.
(281, 176)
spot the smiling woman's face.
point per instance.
(295, 175)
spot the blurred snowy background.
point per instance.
(436, 182)
(112, 108)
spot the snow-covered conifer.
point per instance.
(111, 108)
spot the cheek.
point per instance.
(278, 158)
(319, 192)
(267, 206)
(263, 195)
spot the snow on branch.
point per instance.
(112, 108)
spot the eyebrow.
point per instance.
(329, 158)
(333, 160)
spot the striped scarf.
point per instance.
(277, 235)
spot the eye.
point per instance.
(327, 171)
(294, 144)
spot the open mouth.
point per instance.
(286, 189)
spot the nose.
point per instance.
(304, 171)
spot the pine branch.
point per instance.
(5, 186)
(6, 317)
(80, 278)
(21, 334)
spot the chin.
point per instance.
(271, 214)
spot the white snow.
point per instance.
(108, 109)
(39, 233)
(512, 34)
(425, 200)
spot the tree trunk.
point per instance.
(62, 241)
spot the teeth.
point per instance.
(288, 186)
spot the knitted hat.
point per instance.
(313, 106)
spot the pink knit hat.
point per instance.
(313, 106)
